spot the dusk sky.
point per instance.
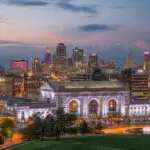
(110, 27)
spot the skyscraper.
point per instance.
(146, 65)
(93, 60)
(130, 63)
(61, 50)
(60, 60)
(36, 65)
(78, 55)
(47, 58)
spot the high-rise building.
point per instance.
(36, 65)
(19, 64)
(137, 81)
(130, 63)
(61, 50)
(60, 60)
(146, 65)
(78, 55)
(47, 58)
(93, 60)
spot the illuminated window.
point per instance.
(112, 105)
(73, 106)
(93, 107)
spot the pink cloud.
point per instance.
(128, 35)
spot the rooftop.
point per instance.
(37, 105)
(86, 85)
(13, 100)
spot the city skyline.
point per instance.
(28, 26)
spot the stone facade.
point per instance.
(85, 103)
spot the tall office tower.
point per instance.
(139, 85)
(137, 81)
(130, 63)
(146, 65)
(36, 65)
(61, 50)
(60, 60)
(93, 60)
(19, 64)
(78, 56)
(47, 58)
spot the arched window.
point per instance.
(93, 107)
(112, 105)
(73, 107)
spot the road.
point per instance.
(121, 129)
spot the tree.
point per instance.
(60, 122)
(7, 127)
(38, 128)
(84, 127)
(49, 126)
(58, 130)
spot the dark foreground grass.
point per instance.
(104, 142)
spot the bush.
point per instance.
(84, 128)
(72, 130)
(7, 127)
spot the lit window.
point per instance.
(112, 105)
(73, 106)
(93, 107)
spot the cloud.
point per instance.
(97, 27)
(25, 2)
(5, 43)
(118, 7)
(75, 8)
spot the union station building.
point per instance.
(86, 98)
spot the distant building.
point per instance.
(139, 108)
(19, 86)
(130, 63)
(48, 57)
(6, 86)
(137, 81)
(33, 85)
(78, 56)
(60, 60)
(80, 77)
(36, 65)
(61, 50)
(139, 85)
(107, 64)
(19, 64)
(98, 75)
(93, 60)
(146, 65)
(24, 108)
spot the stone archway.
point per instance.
(112, 105)
(73, 106)
(93, 107)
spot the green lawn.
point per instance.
(104, 142)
